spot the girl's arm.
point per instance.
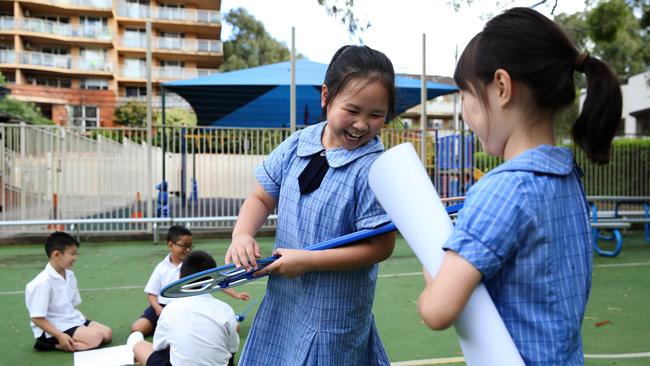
(295, 262)
(243, 249)
(445, 296)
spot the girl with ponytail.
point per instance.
(524, 230)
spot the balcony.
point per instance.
(188, 15)
(165, 73)
(64, 29)
(45, 59)
(6, 23)
(138, 11)
(174, 44)
(7, 57)
(171, 101)
(97, 4)
(67, 62)
(93, 65)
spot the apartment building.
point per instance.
(79, 59)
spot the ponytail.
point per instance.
(600, 118)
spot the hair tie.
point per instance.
(580, 61)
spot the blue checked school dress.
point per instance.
(319, 318)
(525, 227)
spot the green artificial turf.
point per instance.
(112, 276)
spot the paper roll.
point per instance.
(404, 190)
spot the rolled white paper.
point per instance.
(404, 190)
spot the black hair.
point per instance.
(536, 52)
(59, 241)
(196, 262)
(176, 231)
(351, 63)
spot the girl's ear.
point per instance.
(323, 96)
(503, 84)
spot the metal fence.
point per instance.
(52, 172)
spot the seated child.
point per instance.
(52, 298)
(195, 330)
(179, 242)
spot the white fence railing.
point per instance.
(56, 173)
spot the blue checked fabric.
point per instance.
(525, 227)
(320, 318)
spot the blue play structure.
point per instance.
(454, 163)
(162, 203)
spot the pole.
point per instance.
(163, 136)
(149, 184)
(423, 102)
(293, 80)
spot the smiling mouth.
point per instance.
(352, 136)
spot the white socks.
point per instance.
(134, 338)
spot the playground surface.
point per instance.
(112, 277)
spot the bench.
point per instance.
(617, 220)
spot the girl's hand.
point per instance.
(243, 296)
(243, 252)
(291, 264)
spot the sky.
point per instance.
(396, 27)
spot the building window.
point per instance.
(84, 116)
(135, 91)
(94, 84)
(47, 81)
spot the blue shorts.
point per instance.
(150, 315)
(44, 343)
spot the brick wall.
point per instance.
(60, 97)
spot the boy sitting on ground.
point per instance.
(195, 330)
(179, 242)
(52, 299)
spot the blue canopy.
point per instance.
(260, 96)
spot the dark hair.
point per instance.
(197, 261)
(536, 52)
(59, 241)
(359, 63)
(175, 232)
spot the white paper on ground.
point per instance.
(108, 356)
(404, 190)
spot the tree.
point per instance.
(612, 32)
(26, 111)
(177, 117)
(251, 45)
(132, 114)
(345, 13)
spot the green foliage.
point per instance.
(251, 45)
(177, 117)
(612, 32)
(607, 19)
(345, 13)
(627, 173)
(132, 114)
(26, 111)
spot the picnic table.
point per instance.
(607, 224)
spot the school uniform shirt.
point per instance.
(55, 298)
(199, 330)
(319, 318)
(525, 227)
(165, 273)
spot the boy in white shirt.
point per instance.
(52, 298)
(198, 330)
(179, 242)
